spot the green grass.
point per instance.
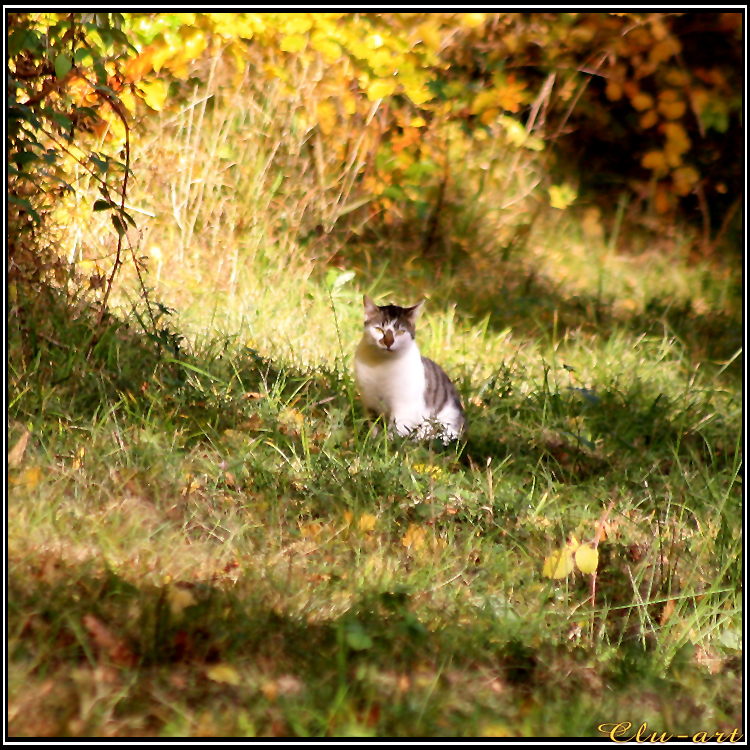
(207, 538)
(215, 542)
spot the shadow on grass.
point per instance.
(535, 307)
(187, 648)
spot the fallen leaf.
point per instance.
(78, 460)
(561, 563)
(414, 537)
(367, 522)
(15, 454)
(587, 558)
(224, 673)
(29, 478)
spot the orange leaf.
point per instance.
(414, 537)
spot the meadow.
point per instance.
(207, 537)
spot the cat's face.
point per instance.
(390, 328)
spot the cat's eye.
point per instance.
(379, 329)
(400, 333)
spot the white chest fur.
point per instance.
(392, 383)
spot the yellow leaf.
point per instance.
(430, 34)
(664, 50)
(685, 179)
(326, 116)
(161, 55)
(511, 95)
(515, 132)
(292, 416)
(297, 24)
(78, 460)
(275, 71)
(381, 89)
(489, 116)
(561, 196)
(658, 29)
(649, 119)
(642, 101)
(224, 673)
(484, 100)
(330, 51)
(676, 77)
(154, 93)
(16, 453)
(677, 138)
(414, 537)
(587, 558)
(350, 103)
(30, 478)
(312, 530)
(661, 201)
(673, 156)
(417, 122)
(613, 91)
(193, 46)
(127, 98)
(474, 20)
(559, 564)
(418, 93)
(656, 161)
(672, 110)
(367, 522)
(136, 68)
(293, 43)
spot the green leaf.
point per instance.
(25, 157)
(102, 165)
(102, 205)
(22, 39)
(63, 64)
(119, 225)
(83, 55)
(24, 203)
(125, 215)
(64, 122)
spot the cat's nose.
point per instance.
(388, 339)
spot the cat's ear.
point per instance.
(370, 307)
(412, 313)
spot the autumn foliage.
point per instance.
(594, 106)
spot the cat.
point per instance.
(412, 392)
